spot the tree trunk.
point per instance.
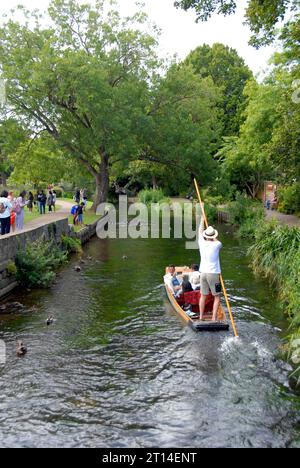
(102, 182)
(154, 182)
(3, 179)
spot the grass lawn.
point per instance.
(89, 217)
(70, 200)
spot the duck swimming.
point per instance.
(50, 320)
(21, 348)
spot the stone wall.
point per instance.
(10, 245)
(85, 234)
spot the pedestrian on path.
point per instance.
(54, 199)
(42, 201)
(30, 201)
(5, 209)
(13, 216)
(50, 201)
(19, 210)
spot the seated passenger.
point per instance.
(195, 277)
(186, 285)
(171, 279)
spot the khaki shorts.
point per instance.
(210, 282)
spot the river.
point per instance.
(119, 369)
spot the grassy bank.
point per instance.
(275, 255)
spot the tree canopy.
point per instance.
(90, 81)
(230, 74)
(262, 16)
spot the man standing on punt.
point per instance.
(210, 268)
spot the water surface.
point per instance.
(119, 369)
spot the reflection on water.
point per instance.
(118, 368)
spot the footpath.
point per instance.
(289, 220)
(62, 213)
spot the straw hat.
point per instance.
(210, 233)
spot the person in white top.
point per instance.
(195, 277)
(5, 209)
(172, 281)
(210, 267)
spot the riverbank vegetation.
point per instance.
(274, 254)
(36, 265)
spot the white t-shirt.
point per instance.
(8, 206)
(195, 278)
(210, 259)
(168, 280)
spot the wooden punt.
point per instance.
(192, 298)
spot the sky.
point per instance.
(180, 32)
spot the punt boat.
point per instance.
(191, 301)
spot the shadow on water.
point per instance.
(118, 368)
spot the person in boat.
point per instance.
(186, 285)
(210, 268)
(173, 281)
(195, 277)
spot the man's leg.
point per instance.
(204, 288)
(202, 305)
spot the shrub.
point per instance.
(11, 269)
(36, 264)
(71, 244)
(152, 196)
(211, 212)
(289, 199)
(275, 254)
(69, 195)
(247, 214)
(59, 192)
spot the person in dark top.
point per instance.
(30, 201)
(80, 213)
(186, 285)
(77, 196)
(42, 198)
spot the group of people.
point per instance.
(12, 216)
(12, 211)
(205, 278)
(41, 200)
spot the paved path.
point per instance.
(62, 213)
(290, 220)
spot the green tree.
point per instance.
(247, 160)
(229, 73)
(38, 162)
(12, 135)
(262, 16)
(182, 127)
(84, 80)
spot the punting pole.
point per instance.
(221, 277)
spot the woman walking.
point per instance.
(54, 199)
(11, 199)
(19, 210)
(30, 201)
(50, 201)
